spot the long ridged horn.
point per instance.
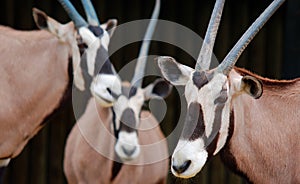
(232, 57)
(141, 61)
(90, 13)
(73, 14)
(204, 58)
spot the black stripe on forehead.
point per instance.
(194, 124)
(96, 30)
(127, 121)
(200, 79)
(103, 64)
(129, 91)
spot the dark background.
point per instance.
(273, 53)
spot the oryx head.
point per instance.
(126, 99)
(209, 94)
(88, 41)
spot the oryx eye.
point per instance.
(114, 95)
(222, 98)
(109, 91)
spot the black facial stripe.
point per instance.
(116, 131)
(211, 141)
(96, 30)
(127, 121)
(117, 166)
(200, 79)
(103, 64)
(194, 124)
(81, 98)
(222, 98)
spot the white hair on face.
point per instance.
(94, 43)
(105, 39)
(223, 132)
(102, 82)
(4, 162)
(129, 141)
(189, 150)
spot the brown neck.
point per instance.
(265, 131)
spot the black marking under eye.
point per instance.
(96, 30)
(114, 95)
(194, 124)
(200, 79)
(222, 98)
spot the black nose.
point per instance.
(128, 152)
(181, 168)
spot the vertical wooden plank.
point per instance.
(38, 157)
(20, 168)
(257, 47)
(275, 41)
(57, 137)
(23, 14)
(238, 25)
(291, 66)
(10, 13)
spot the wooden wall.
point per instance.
(273, 53)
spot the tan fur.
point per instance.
(34, 77)
(265, 141)
(83, 164)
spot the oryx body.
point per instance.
(35, 67)
(87, 162)
(108, 143)
(34, 79)
(252, 120)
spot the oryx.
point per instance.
(251, 120)
(115, 126)
(35, 69)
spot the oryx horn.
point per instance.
(90, 12)
(232, 57)
(204, 58)
(141, 61)
(73, 14)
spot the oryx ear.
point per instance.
(251, 86)
(158, 89)
(45, 22)
(110, 26)
(175, 73)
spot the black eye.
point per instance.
(109, 91)
(114, 95)
(222, 97)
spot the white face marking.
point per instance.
(93, 43)
(4, 162)
(87, 36)
(91, 53)
(105, 39)
(99, 87)
(195, 150)
(186, 150)
(127, 141)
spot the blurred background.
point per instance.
(274, 53)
